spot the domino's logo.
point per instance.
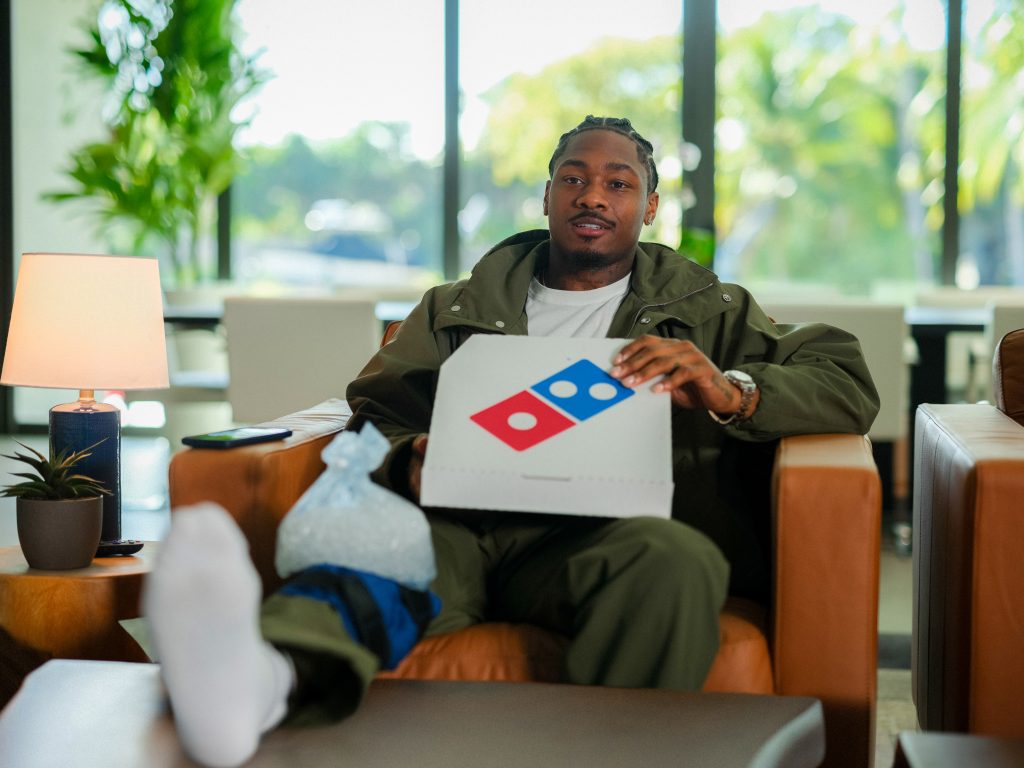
(549, 407)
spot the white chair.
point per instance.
(888, 350)
(882, 332)
(287, 353)
(1004, 316)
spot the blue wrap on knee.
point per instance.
(386, 617)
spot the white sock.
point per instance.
(226, 684)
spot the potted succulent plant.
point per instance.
(60, 512)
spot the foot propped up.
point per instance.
(227, 686)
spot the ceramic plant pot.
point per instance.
(58, 535)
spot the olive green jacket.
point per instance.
(812, 378)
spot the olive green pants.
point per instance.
(639, 599)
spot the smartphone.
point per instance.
(231, 438)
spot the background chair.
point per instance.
(889, 350)
(285, 353)
(882, 332)
(968, 625)
(1003, 317)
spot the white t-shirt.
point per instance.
(551, 312)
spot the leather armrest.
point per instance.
(827, 501)
(968, 672)
(259, 483)
(1008, 375)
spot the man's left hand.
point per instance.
(686, 374)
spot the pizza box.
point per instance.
(536, 424)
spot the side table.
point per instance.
(74, 614)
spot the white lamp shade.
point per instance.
(86, 322)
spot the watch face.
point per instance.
(739, 377)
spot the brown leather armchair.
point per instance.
(968, 647)
(819, 637)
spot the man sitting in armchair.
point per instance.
(638, 598)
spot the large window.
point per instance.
(830, 144)
(831, 156)
(830, 133)
(531, 71)
(829, 136)
(344, 148)
(992, 147)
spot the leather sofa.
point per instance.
(819, 637)
(968, 624)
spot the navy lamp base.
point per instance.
(88, 424)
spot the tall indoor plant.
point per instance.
(174, 75)
(59, 511)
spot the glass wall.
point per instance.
(344, 148)
(530, 71)
(829, 141)
(343, 185)
(830, 145)
(992, 145)
(830, 133)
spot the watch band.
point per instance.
(748, 388)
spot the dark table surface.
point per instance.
(957, 750)
(111, 715)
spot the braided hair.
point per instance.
(644, 148)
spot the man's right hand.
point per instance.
(419, 452)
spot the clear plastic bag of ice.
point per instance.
(346, 519)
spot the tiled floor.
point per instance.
(145, 516)
(895, 712)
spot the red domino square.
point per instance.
(547, 422)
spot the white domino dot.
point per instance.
(602, 391)
(562, 388)
(522, 421)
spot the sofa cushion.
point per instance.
(497, 651)
(493, 651)
(743, 663)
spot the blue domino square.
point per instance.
(582, 390)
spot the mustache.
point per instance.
(596, 216)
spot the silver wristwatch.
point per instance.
(748, 388)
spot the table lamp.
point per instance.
(88, 323)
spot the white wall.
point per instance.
(54, 112)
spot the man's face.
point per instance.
(597, 200)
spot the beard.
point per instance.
(589, 259)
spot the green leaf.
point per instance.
(54, 477)
(163, 160)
